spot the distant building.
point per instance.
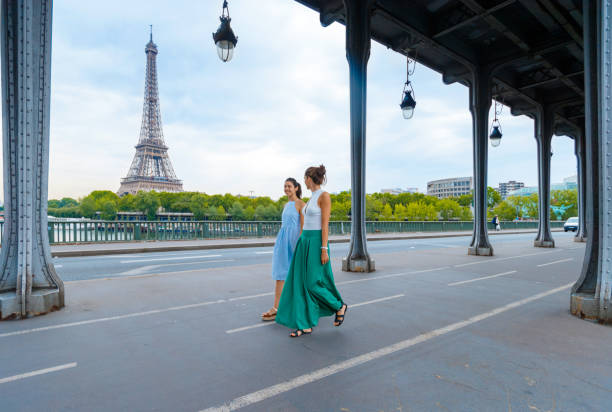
(507, 187)
(529, 190)
(398, 190)
(451, 187)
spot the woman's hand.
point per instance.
(324, 256)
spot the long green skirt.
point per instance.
(309, 291)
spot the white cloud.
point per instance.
(281, 105)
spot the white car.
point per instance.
(571, 224)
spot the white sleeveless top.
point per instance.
(312, 212)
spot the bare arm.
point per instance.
(300, 208)
(325, 205)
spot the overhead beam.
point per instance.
(473, 19)
(548, 81)
(563, 22)
(519, 42)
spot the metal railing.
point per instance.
(101, 231)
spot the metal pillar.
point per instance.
(544, 123)
(590, 296)
(480, 103)
(28, 283)
(579, 149)
(357, 54)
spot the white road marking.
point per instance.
(486, 260)
(556, 261)
(264, 253)
(107, 319)
(143, 269)
(58, 266)
(355, 305)
(172, 258)
(482, 278)
(274, 390)
(38, 372)
(392, 275)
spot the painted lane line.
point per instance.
(171, 258)
(555, 262)
(110, 318)
(506, 258)
(38, 372)
(355, 305)
(264, 253)
(369, 302)
(274, 390)
(58, 266)
(482, 278)
(392, 275)
(142, 269)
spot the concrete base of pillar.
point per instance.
(480, 251)
(358, 265)
(544, 243)
(585, 306)
(580, 239)
(40, 302)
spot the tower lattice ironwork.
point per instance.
(151, 168)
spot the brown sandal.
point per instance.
(269, 315)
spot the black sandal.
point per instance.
(299, 332)
(340, 318)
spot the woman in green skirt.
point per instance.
(309, 290)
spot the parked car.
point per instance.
(571, 224)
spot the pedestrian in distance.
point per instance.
(310, 292)
(286, 240)
(496, 223)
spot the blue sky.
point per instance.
(279, 106)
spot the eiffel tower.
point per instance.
(151, 168)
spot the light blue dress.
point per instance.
(285, 242)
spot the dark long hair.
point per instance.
(298, 187)
(317, 174)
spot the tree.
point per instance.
(505, 211)
(386, 213)
(449, 209)
(220, 214)
(147, 203)
(249, 213)
(493, 197)
(88, 207)
(237, 211)
(465, 200)
(400, 212)
(68, 202)
(108, 210)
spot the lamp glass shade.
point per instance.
(495, 136)
(408, 104)
(225, 50)
(407, 112)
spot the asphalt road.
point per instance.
(432, 329)
(95, 267)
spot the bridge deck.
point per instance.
(432, 329)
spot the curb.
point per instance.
(134, 250)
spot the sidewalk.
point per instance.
(117, 248)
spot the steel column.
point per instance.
(28, 283)
(590, 296)
(357, 54)
(544, 123)
(579, 148)
(480, 103)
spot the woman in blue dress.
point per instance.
(289, 233)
